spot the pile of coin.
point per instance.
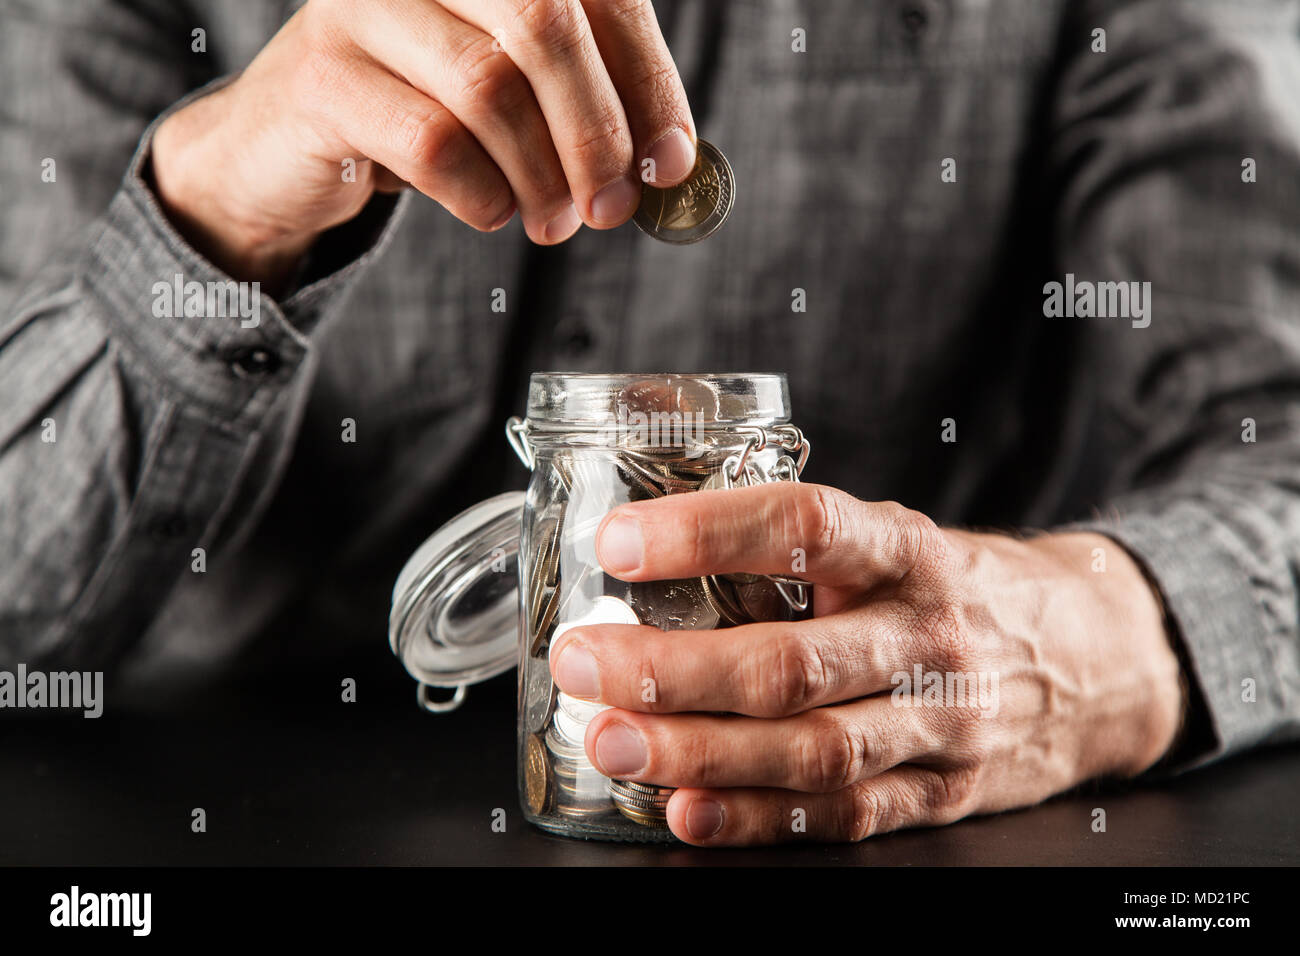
(564, 587)
(560, 777)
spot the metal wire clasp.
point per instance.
(517, 434)
(440, 706)
(737, 469)
(787, 437)
(792, 440)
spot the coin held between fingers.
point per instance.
(695, 208)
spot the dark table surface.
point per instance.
(289, 774)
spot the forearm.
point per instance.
(125, 434)
(1226, 558)
(135, 429)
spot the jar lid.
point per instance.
(707, 399)
(455, 612)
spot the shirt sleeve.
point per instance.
(1177, 153)
(128, 427)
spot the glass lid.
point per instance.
(454, 618)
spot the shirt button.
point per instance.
(575, 338)
(914, 19)
(253, 362)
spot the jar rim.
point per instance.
(717, 399)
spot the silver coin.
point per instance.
(570, 729)
(539, 695)
(695, 208)
(641, 803)
(717, 481)
(580, 710)
(543, 570)
(564, 750)
(722, 594)
(680, 605)
(641, 794)
(759, 600)
(605, 609)
(640, 484)
(580, 540)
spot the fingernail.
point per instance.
(620, 545)
(673, 156)
(500, 223)
(564, 225)
(619, 751)
(576, 672)
(703, 818)
(615, 202)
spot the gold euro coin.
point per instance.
(537, 775)
(693, 209)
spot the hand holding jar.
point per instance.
(943, 674)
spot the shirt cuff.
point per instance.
(236, 356)
(1215, 623)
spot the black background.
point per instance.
(289, 774)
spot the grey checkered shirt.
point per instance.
(1173, 157)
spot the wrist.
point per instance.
(200, 203)
(1130, 661)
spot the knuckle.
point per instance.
(603, 141)
(917, 540)
(968, 740)
(490, 81)
(817, 519)
(659, 82)
(798, 677)
(694, 756)
(648, 672)
(698, 546)
(315, 83)
(865, 812)
(484, 208)
(431, 139)
(554, 24)
(629, 13)
(324, 28)
(873, 752)
(832, 756)
(948, 795)
(952, 643)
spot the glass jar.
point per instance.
(592, 441)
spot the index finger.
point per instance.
(766, 669)
(817, 533)
(643, 71)
(551, 42)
